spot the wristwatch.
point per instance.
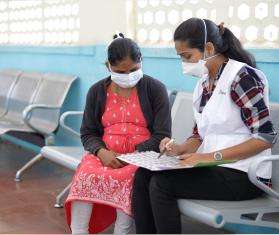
(217, 156)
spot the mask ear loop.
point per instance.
(109, 67)
(205, 37)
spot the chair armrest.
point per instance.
(252, 174)
(27, 113)
(65, 126)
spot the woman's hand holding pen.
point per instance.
(170, 148)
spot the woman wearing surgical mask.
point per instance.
(232, 118)
(125, 112)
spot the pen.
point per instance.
(165, 149)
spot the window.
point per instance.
(46, 22)
(255, 23)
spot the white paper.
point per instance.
(149, 160)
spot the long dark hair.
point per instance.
(224, 41)
(121, 48)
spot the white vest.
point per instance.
(220, 124)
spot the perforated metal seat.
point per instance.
(8, 79)
(20, 97)
(43, 114)
(182, 117)
(68, 157)
(31, 102)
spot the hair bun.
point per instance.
(118, 35)
(221, 28)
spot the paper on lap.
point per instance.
(150, 161)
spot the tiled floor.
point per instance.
(27, 206)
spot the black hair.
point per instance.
(121, 48)
(224, 41)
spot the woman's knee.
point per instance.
(142, 178)
(159, 186)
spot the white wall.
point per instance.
(100, 19)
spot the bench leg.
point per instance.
(34, 160)
(59, 198)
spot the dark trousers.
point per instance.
(155, 194)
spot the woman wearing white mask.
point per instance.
(126, 112)
(230, 105)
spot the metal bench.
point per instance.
(217, 213)
(66, 156)
(172, 96)
(30, 102)
(182, 117)
(8, 80)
